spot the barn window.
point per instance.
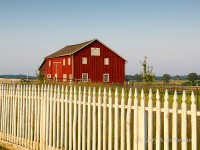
(84, 60)
(49, 63)
(95, 51)
(106, 77)
(84, 77)
(48, 76)
(64, 77)
(69, 61)
(63, 62)
(106, 61)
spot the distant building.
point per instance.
(89, 61)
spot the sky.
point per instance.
(167, 32)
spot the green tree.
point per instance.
(166, 78)
(192, 77)
(40, 76)
(138, 77)
(147, 73)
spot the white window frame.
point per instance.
(49, 63)
(64, 77)
(63, 62)
(95, 51)
(69, 61)
(70, 76)
(84, 60)
(106, 74)
(106, 61)
(84, 80)
(48, 76)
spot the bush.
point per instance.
(186, 83)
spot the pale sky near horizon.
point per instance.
(167, 32)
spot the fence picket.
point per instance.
(104, 119)
(58, 119)
(84, 120)
(70, 118)
(62, 119)
(184, 122)
(141, 123)
(74, 118)
(128, 119)
(158, 121)
(174, 122)
(66, 118)
(89, 120)
(116, 147)
(94, 120)
(99, 119)
(150, 121)
(194, 121)
(123, 120)
(166, 121)
(135, 119)
(110, 121)
(79, 117)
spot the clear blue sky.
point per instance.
(167, 32)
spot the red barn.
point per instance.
(87, 61)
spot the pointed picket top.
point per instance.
(166, 95)
(130, 96)
(84, 91)
(79, 91)
(184, 98)
(99, 92)
(130, 93)
(116, 92)
(110, 93)
(157, 95)
(104, 92)
(193, 100)
(89, 92)
(75, 93)
(175, 96)
(94, 92)
(123, 94)
(150, 95)
(142, 94)
(136, 93)
(55, 91)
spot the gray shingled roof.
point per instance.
(70, 49)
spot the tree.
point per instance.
(166, 78)
(138, 77)
(40, 76)
(192, 77)
(147, 74)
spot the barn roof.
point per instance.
(70, 49)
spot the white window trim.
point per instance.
(83, 75)
(84, 60)
(64, 77)
(63, 62)
(106, 61)
(95, 51)
(49, 63)
(69, 61)
(108, 77)
(48, 76)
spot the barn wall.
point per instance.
(58, 67)
(95, 64)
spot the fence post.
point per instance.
(194, 121)
(184, 122)
(158, 121)
(150, 121)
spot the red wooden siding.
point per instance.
(95, 64)
(58, 67)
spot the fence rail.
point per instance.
(62, 117)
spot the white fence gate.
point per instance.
(61, 117)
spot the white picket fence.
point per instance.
(61, 117)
